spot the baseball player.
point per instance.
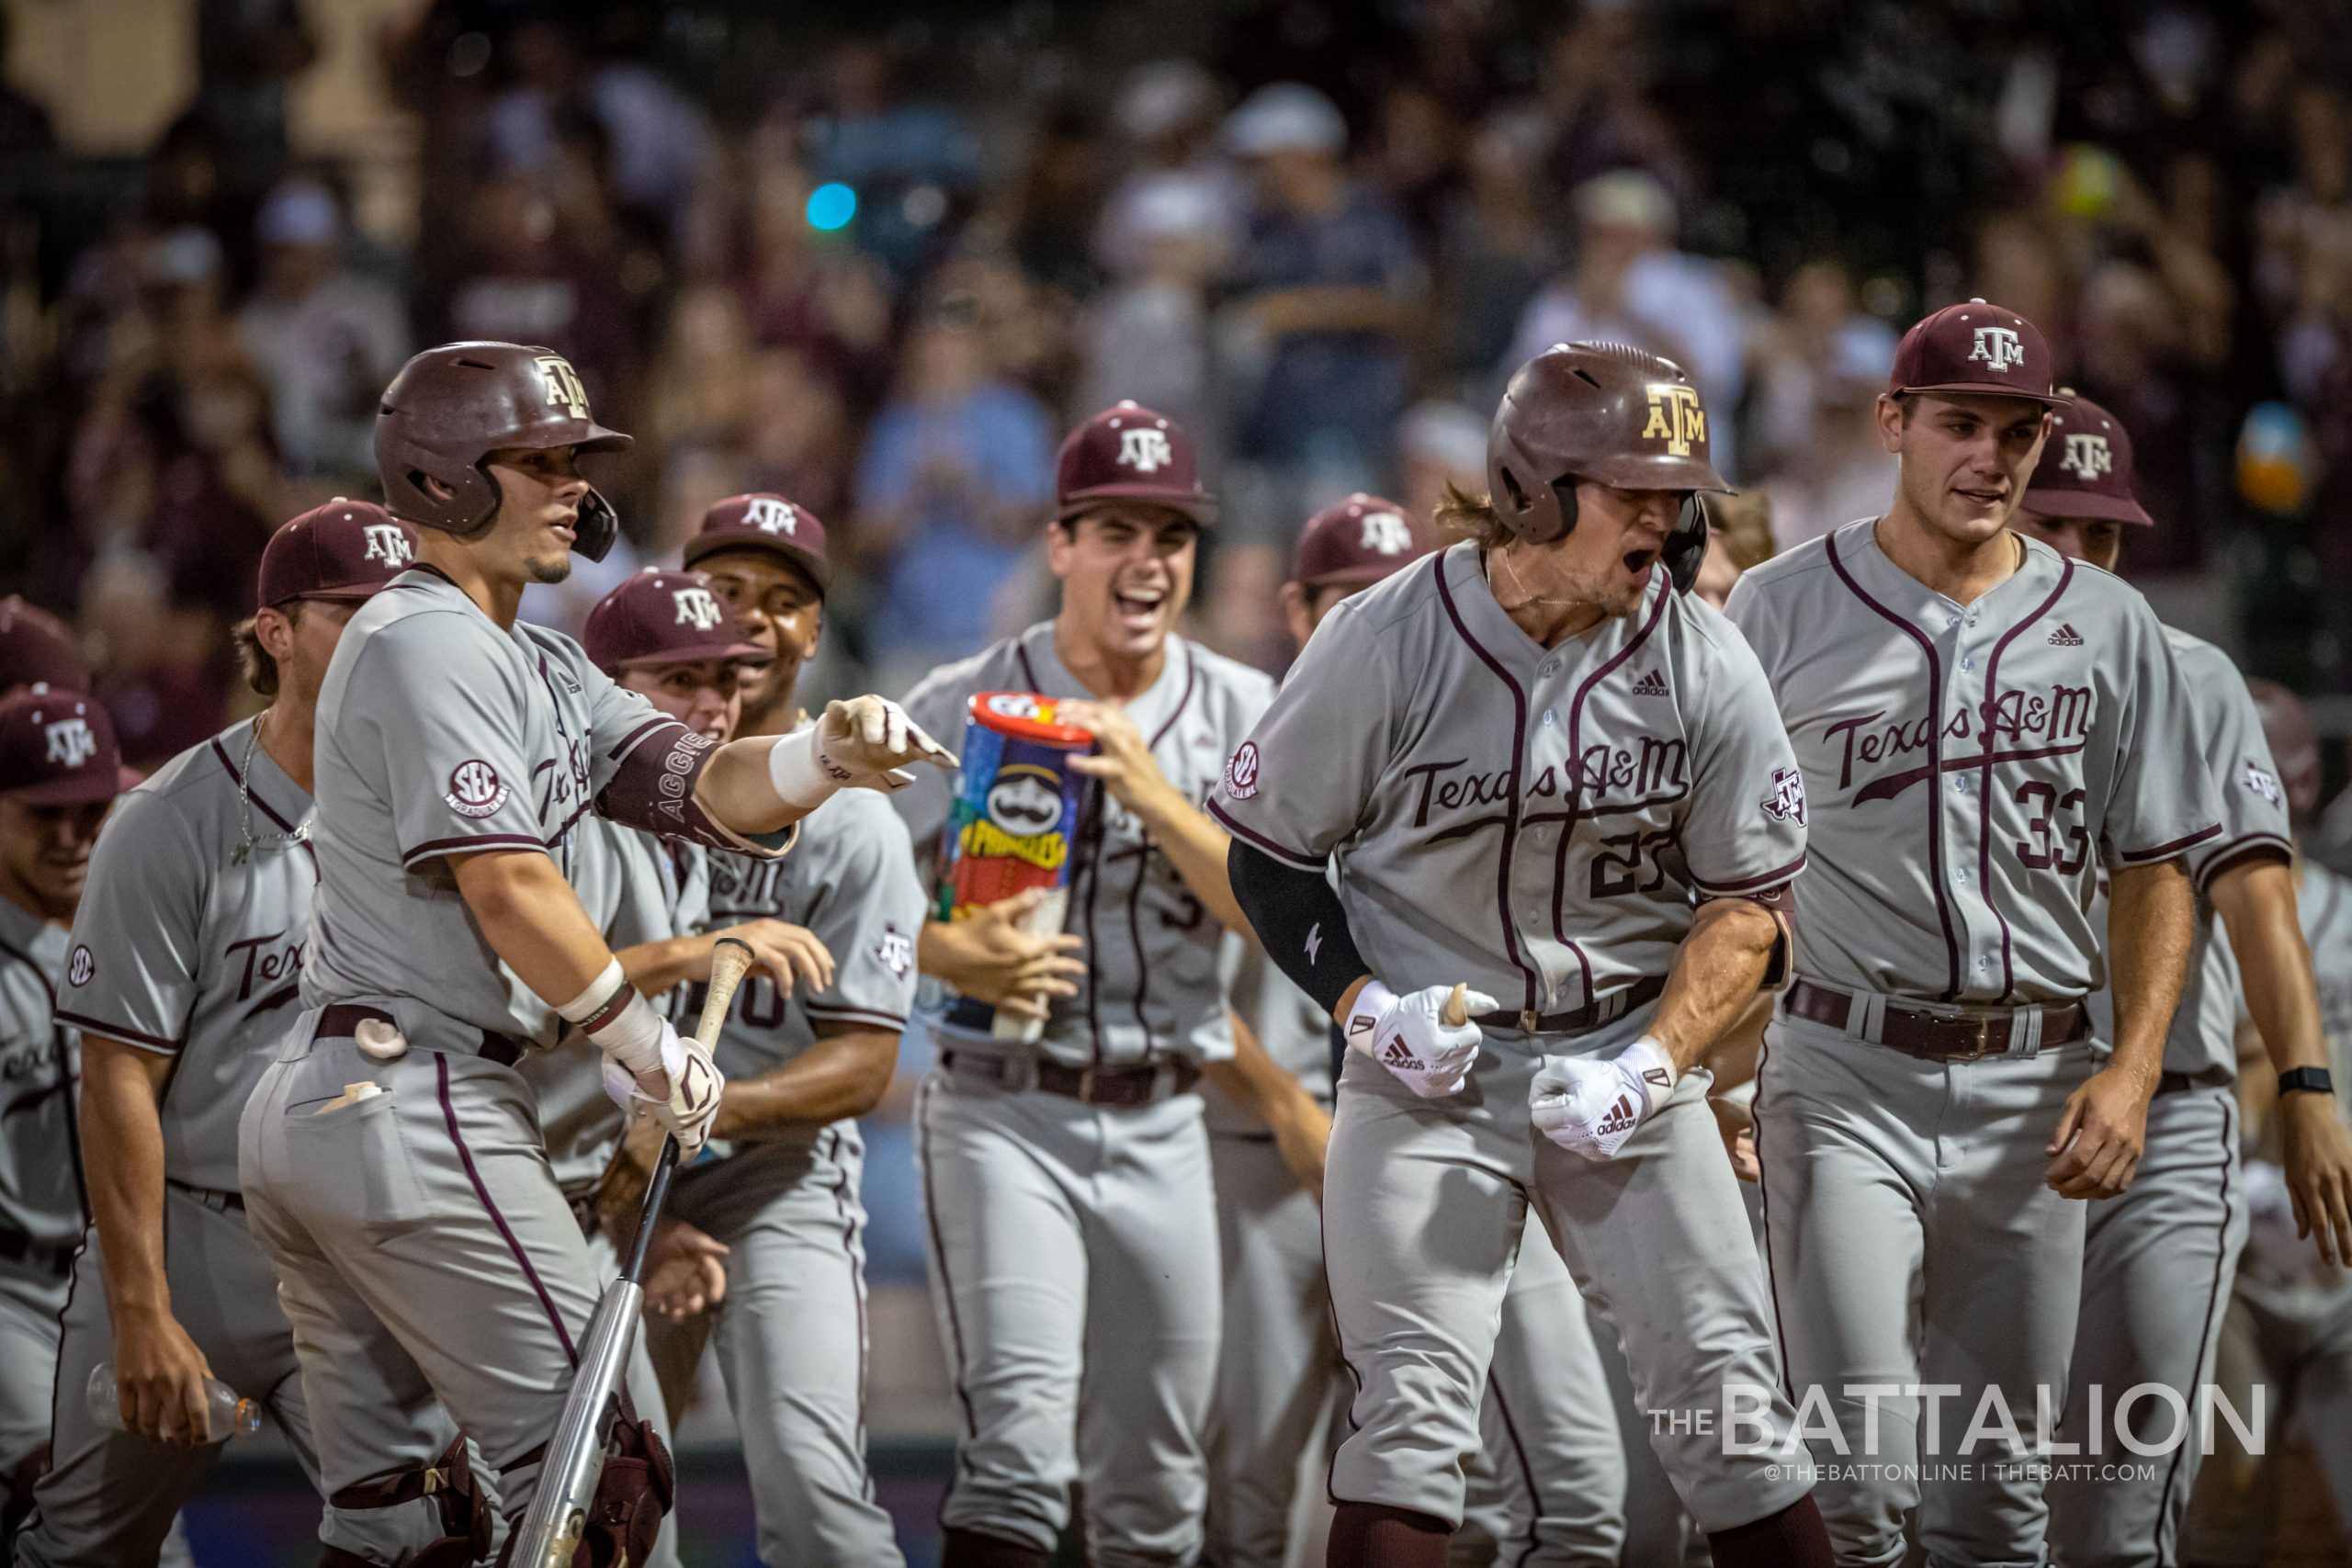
(802, 1063)
(60, 770)
(2289, 1324)
(1559, 803)
(2157, 1260)
(1982, 725)
(391, 1157)
(183, 960)
(1548, 1482)
(1066, 1186)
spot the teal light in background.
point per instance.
(831, 207)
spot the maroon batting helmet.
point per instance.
(1604, 411)
(450, 407)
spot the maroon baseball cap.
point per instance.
(1975, 347)
(1128, 453)
(2085, 467)
(1360, 540)
(37, 648)
(57, 749)
(345, 549)
(764, 522)
(664, 617)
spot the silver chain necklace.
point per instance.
(300, 835)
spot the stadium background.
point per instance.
(881, 270)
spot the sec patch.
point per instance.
(1241, 773)
(475, 789)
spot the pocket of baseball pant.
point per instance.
(352, 1159)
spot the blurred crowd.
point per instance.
(881, 273)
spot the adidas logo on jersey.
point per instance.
(1651, 685)
(2065, 637)
(1398, 1054)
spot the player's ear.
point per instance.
(1295, 613)
(274, 629)
(1061, 545)
(1894, 418)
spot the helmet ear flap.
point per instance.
(1686, 544)
(1564, 490)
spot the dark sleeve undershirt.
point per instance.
(1299, 923)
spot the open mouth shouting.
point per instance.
(1138, 609)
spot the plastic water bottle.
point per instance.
(230, 1415)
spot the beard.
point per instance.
(550, 570)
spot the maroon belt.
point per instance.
(342, 1021)
(1943, 1036)
(1136, 1085)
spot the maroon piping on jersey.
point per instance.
(262, 806)
(1142, 868)
(2165, 852)
(2245, 847)
(1518, 772)
(1984, 784)
(1935, 754)
(1574, 778)
(1291, 858)
(489, 1206)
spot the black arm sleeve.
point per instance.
(1299, 923)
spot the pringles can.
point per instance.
(1014, 827)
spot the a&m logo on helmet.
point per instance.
(770, 516)
(1385, 532)
(71, 744)
(387, 543)
(564, 389)
(1997, 348)
(1675, 417)
(697, 608)
(1145, 450)
(2087, 457)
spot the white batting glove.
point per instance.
(859, 744)
(1411, 1037)
(695, 1084)
(1591, 1105)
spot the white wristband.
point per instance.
(800, 778)
(1364, 1017)
(582, 1008)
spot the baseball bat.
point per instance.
(576, 1459)
(1456, 1011)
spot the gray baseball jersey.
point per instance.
(1643, 764)
(40, 1157)
(852, 883)
(637, 889)
(1967, 763)
(189, 940)
(1153, 986)
(2323, 902)
(440, 733)
(2202, 1041)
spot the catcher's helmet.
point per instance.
(1607, 412)
(450, 407)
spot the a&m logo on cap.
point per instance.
(2087, 457)
(1145, 450)
(389, 543)
(1675, 417)
(1997, 348)
(1385, 532)
(564, 390)
(772, 517)
(697, 608)
(71, 744)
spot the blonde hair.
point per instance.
(1472, 517)
(1746, 523)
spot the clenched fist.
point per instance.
(1425, 1037)
(1591, 1105)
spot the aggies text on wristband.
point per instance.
(2311, 1080)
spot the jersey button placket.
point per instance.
(1959, 809)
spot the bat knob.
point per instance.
(1456, 1011)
